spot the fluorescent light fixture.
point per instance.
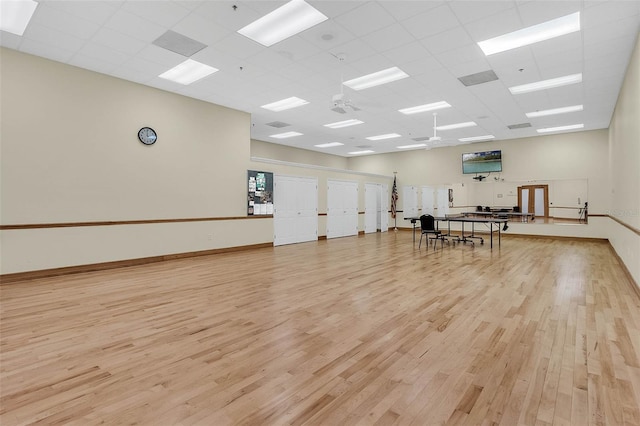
(366, 151)
(15, 15)
(284, 22)
(417, 145)
(329, 145)
(546, 84)
(423, 108)
(286, 135)
(288, 103)
(554, 111)
(376, 79)
(457, 125)
(477, 138)
(382, 137)
(534, 34)
(346, 123)
(188, 72)
(561, 128)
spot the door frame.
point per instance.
(532, 199)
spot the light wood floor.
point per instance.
(361, 330)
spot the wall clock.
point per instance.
(147, 136)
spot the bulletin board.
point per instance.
(260, 193)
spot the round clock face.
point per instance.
(147, 136)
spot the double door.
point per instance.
(376, 207)
(295, 215)
(342, 208)
(534, 199)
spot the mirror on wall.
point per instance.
(559, 201)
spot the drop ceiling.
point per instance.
(434, 42)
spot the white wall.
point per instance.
(544, 159)
(624, 166)
(70, 154)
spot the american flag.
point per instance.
(394, 198)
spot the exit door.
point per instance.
(534, 199)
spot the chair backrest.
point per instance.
(487, 209)
(427, 223)
(478, 208)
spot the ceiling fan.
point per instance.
(341, 103)
(435, 137)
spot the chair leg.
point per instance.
(420, 244)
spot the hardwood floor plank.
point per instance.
(367, 330)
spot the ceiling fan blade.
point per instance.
(339, 110)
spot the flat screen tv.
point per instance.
(482, 162)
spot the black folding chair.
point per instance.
(428, 226)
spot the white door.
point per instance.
(443, 201)
(295, 215)
(539, 202)
(525, 200)
(342, 208)
(371, 215)
(410, 201)
(427, 200)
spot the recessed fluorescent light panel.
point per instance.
(366, 151)
(346, 123)
(284, 104)
(285, 135)
(477, 138)
(188, 72)
(284, 22)
(329, 145)
(546, 84)
(426, 107)
(382, 137)
(15, 15)
(417, 145)
(526, 36)
(457, 126)
(376, 79)
(554, 111)
(561, 128)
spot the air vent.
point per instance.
(364, 146)
(178, 43)
(278, 124)
(420, 139)
(478, 78)
(519, 126)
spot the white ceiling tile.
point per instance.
(432, 22)
(366, 19)
(62, 21)
(471, 67)
(222, 13)
(537, 12)
(610, 12)
(467, 11)
(200, 29)
(460, 55)
(494, 25)
(566, 43)
(134, 26)
(49, 36)
(236, 45)
(164, 13)
(295, 48)
(353, 50)
(103, 53)
(9, 40)
(447, 40)
(327, 35)
(118, 41)
(333, 9)
(46, 50)
(403, 9)
(93, 64)
(94, 11)
(407, 53)
(388, 38)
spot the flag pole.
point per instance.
(394, 199)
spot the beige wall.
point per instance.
(296, 155)
(624, 166)
(70, 154)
